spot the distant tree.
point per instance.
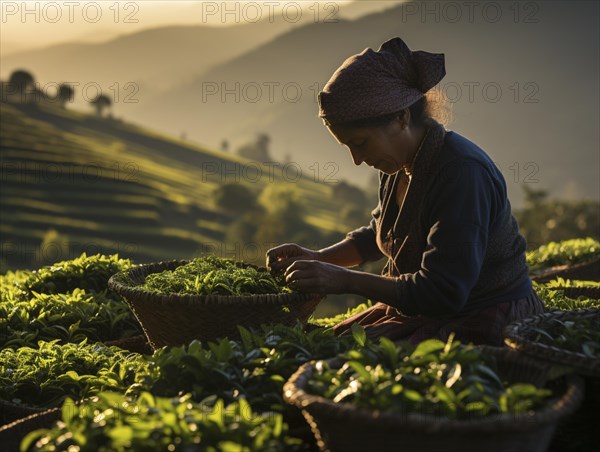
(225, 146)
(51, 249)
(21, 81)
(263, 141)
(282, 198)
(241, 231)
(543, 219)
(534, 197)
(100, 103)
(285, 215)
(235, 198)
(65, 94)
(258, 149)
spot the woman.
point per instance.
(456, 260)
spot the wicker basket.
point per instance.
(10, 412)
(341, 426)
(177, 319)
(12, 434)
(587, 271)
(585, 291)
(577, 432)
(520, 336)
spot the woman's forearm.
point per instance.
(372, 286)
(344, 254)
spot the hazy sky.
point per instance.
(35, 24)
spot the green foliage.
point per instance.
(285, 217)
(90, 273)
(68, 317)
(45, 375)
(556, 299)
(214, 275)
(562, 283)
(12, 282)
(68, 301)
(115, 422)
(332, 321)
(580, 335)
(433, 377)
(281, 198)
(255, 367)
(570, 251)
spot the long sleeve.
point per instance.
(459, 212)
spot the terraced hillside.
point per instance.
(107, 186)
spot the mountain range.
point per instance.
(523, 83)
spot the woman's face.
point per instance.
(385, 148)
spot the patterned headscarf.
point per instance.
(373, 84)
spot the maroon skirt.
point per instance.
(478, 327)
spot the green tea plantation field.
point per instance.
(73, 182)
(74, 357)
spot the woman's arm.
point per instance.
(357, 247)
(344, 253)
(322, 277)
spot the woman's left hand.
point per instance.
(317, 277)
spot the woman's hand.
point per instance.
(282, 256)
(318, 277)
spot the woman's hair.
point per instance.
(433, 105)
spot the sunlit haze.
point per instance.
(31, 25)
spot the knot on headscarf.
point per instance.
(375, 83)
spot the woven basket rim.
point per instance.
(515, 337)
(24, 407)
(545, 273)
(592, 292)
(30, 417)
(562, 404)
(117, 284)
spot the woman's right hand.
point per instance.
(282, 256)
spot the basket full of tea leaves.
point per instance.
(568, 339)
(433, 396)
(574, 258)
(208, 298)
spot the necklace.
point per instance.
(408, 169)
(394, 187)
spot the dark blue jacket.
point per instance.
(474, 255)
